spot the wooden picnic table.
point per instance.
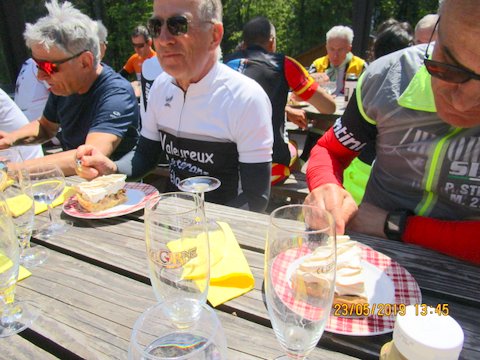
(95, 284)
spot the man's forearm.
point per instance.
(65, 160)
(30, 134)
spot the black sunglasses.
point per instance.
(176, 25)
(446, 72)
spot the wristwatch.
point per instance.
(395, 223)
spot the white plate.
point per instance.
(137, 196)
(378, 285)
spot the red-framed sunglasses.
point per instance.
(447, 72)
(51, 67)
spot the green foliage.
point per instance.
(300, 24)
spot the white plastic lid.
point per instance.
(427, 337)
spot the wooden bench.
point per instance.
(295, 188)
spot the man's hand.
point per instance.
(337, 201)
(91, 163)
(369, 220)
(297, 116)
(320, 77)
(6, 140)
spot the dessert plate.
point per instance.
(389, 287)
(137, 196)
(406, 292)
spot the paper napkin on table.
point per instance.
(230, 275)
(67, 192)
(6, 263)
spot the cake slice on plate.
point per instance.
(101, 193)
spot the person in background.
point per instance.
(421, 109)
(31, 94)
(339, 60)
(151, 69)
(102, 38)
(206, 117)
(424, 29)
(142, 44)
(88, 100)
(277, 74)
(392, 35)
(11, 119)
(334, 66)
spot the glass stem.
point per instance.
(50, 214)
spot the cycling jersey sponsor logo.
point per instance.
(346, 138)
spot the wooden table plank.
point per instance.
(90, 311)
(117, 244)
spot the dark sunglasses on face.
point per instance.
(51, 67)
(176, 25)
(138, 46)
(447, 72)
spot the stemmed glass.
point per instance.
(48, 183)
(14, 316)
(200, 185)
(300, 263)
(156, 337)
(178, 254)
(19, 199)
(329, 86)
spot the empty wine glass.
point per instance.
(19, 199)
(15, 316)
(199, 185)
(300, 263)
(178, 253)
(156, 337)
(329, 87)
(48, 183)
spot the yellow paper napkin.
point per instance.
(19, 204)
(231, 276)
(67, 192)
(6, 263)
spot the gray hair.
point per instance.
(211, 10)
(428, 21)
(141, 30)
(102, 32)
(340, 32)
(66, 28)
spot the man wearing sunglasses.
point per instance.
(421, 109)
(206, 117)
(142, 44)
(89, 101)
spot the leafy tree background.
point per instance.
(300, 24)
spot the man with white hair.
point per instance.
(424, 29)
(206, 117)
(89, 101)
(339, 60)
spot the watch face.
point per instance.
(395, 224)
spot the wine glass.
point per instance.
(48, 182)
(199, 185)
(178, 253)
(19, 199)
(329, 87)
(156, 337)
(300, 263)
(15, 316)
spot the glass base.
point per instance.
(33, 256)
(286, 357)
(17, 317)
(50, 230)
